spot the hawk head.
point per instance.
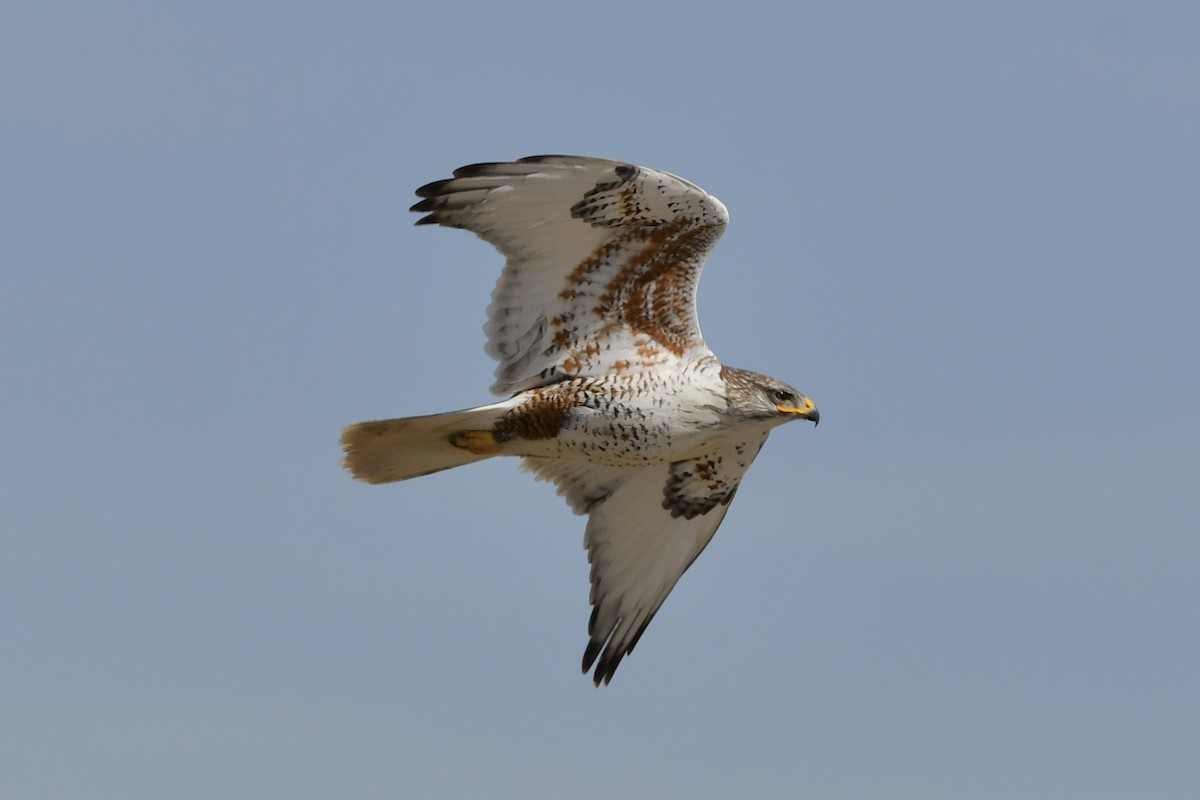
(760, 398)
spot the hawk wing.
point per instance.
(646, 526)
(603, 259)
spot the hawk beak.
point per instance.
(806, 410)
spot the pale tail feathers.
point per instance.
(389, 450)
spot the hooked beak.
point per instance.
(805, 410)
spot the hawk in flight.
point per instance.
(612, 393)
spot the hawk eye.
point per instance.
(782, 395)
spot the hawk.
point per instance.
(612, 393)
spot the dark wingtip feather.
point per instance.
(607, 668)
(475, 170)
(430, 207)
(590, 653)
(605, 658)
(604, 667)
(543, 158)
(433, 188)
(596, 654)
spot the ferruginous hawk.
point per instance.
(612, 393)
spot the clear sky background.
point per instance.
(971, 232)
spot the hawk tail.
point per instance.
(388, 450)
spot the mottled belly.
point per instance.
(603, 421)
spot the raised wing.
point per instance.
(603, 263)
(646, 527)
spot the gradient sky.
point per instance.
(971, 232)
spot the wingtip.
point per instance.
(604, 658)
(545, 157)
(433, 188)
(477, 169)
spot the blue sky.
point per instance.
(968, 231)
